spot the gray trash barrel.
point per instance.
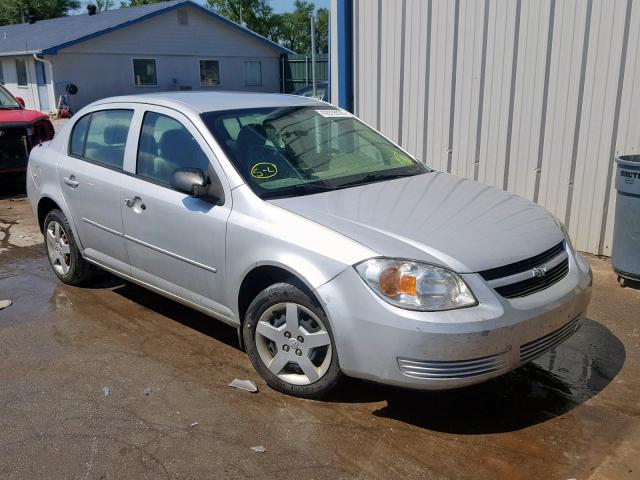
(626, 231)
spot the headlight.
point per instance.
(415, 286)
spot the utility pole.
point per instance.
(313, 54)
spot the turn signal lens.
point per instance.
(393, 282)
(415, 286)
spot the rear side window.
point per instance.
(101, 137)
(79, 135)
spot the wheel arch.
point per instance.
(45, 205)
(261, 276)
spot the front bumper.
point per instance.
(451, 349)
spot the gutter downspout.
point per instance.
(48, 62)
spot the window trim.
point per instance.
(26, 73)
(244, 71)
(86, 134)
(133, 71)
(159, 183)
(185, 14)
(204, 85)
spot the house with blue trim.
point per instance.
(175, 45)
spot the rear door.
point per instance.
(175, 242)
(91, 178)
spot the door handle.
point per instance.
(135, 204)
(71, 181)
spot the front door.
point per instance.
(91, 177)
(175, 242)
(43, 89)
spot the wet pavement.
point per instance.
(573, 414)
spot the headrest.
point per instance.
(115, 134)
(176, 144)
(252, 136)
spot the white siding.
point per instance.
(29, 93)
(102, 66)
(533, 96)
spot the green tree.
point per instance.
(103, 5)
(293, 29)
(256, 15)
(18, 11)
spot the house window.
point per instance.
(21, 70)
(1, 74)
(183, 16)
(144, 72)
(209, 73)
(253, 72)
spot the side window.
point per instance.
(107, 137)
(78, 136)
(253, 72)
(21, 71)
(164, 146)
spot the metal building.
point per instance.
(536, 97)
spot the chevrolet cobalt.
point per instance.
(330, 249)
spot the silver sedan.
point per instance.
(330, 249)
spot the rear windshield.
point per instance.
(7, 102)
(290, 151)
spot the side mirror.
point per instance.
(196, 182)
(20, 100)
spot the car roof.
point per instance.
(201, 101)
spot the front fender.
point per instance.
(260, 234)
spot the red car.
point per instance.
(20, 131)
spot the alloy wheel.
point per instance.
(293, 343)
(58, 248)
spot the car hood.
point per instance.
(19, 116)
(434, 217)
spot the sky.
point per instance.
(280, 6)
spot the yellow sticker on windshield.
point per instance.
(264, 170)
(402, 158)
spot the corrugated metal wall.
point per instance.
(532, 96)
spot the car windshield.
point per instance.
(291, 151)
(7, 101)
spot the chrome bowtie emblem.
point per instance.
(539, 272)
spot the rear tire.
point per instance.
(290, 343)
(62, 250)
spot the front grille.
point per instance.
(523, 265)
(532, 350)
(531, 275)
(446, 370)
(14, 149)
(535, 284)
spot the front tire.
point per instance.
(290, 343)
(63, 252)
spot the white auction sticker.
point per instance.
(334, 113)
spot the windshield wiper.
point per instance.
(296, 190)
(377, 177)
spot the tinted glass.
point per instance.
(144, 71)
(166, 145)
(7, 101)
(78, 136)
(288, 151)
(107, 137)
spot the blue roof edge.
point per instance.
(55, 49)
